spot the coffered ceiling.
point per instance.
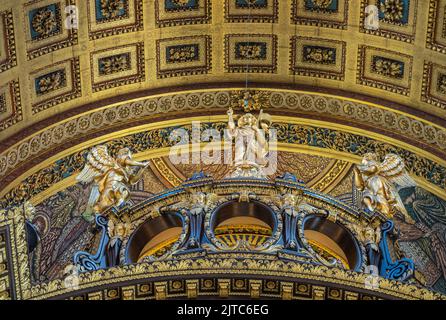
(128, 48)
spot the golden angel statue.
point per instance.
(379, 183)
(111, 178)
(251, 145)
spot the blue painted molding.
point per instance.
(395, 270)
(91, 262)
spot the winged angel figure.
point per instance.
(111, 178)
(380, 183)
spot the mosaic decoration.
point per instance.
(181, 12)
(316, 57)
(436, 31)
(125, 66)
(10, 105)
(423, 240)
(183, 56)
(45, 22)
(434, 138)
(45, 30)
(394, 11)
(63, 232)
(55, 84)
(322, 13)
(319, 173)
(251, 53)
(113, 17)
(397, 19)
(8, 55)
(386, 70)
(434, 85)
(251, 11)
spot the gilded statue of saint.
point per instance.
(251, 145)
(111, 178)
(379, 183)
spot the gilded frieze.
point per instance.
(122, 67)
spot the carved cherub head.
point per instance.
(198, 198)
(369, 234)
(119, 229)
(290, 199)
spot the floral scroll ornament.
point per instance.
(320, 55)
(388, 68)
(44, 22)
(114, 64)
(442, 83)
(51, 82)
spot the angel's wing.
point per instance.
(264, 117)
(98, 162)
(394, 170)
(357, 230)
